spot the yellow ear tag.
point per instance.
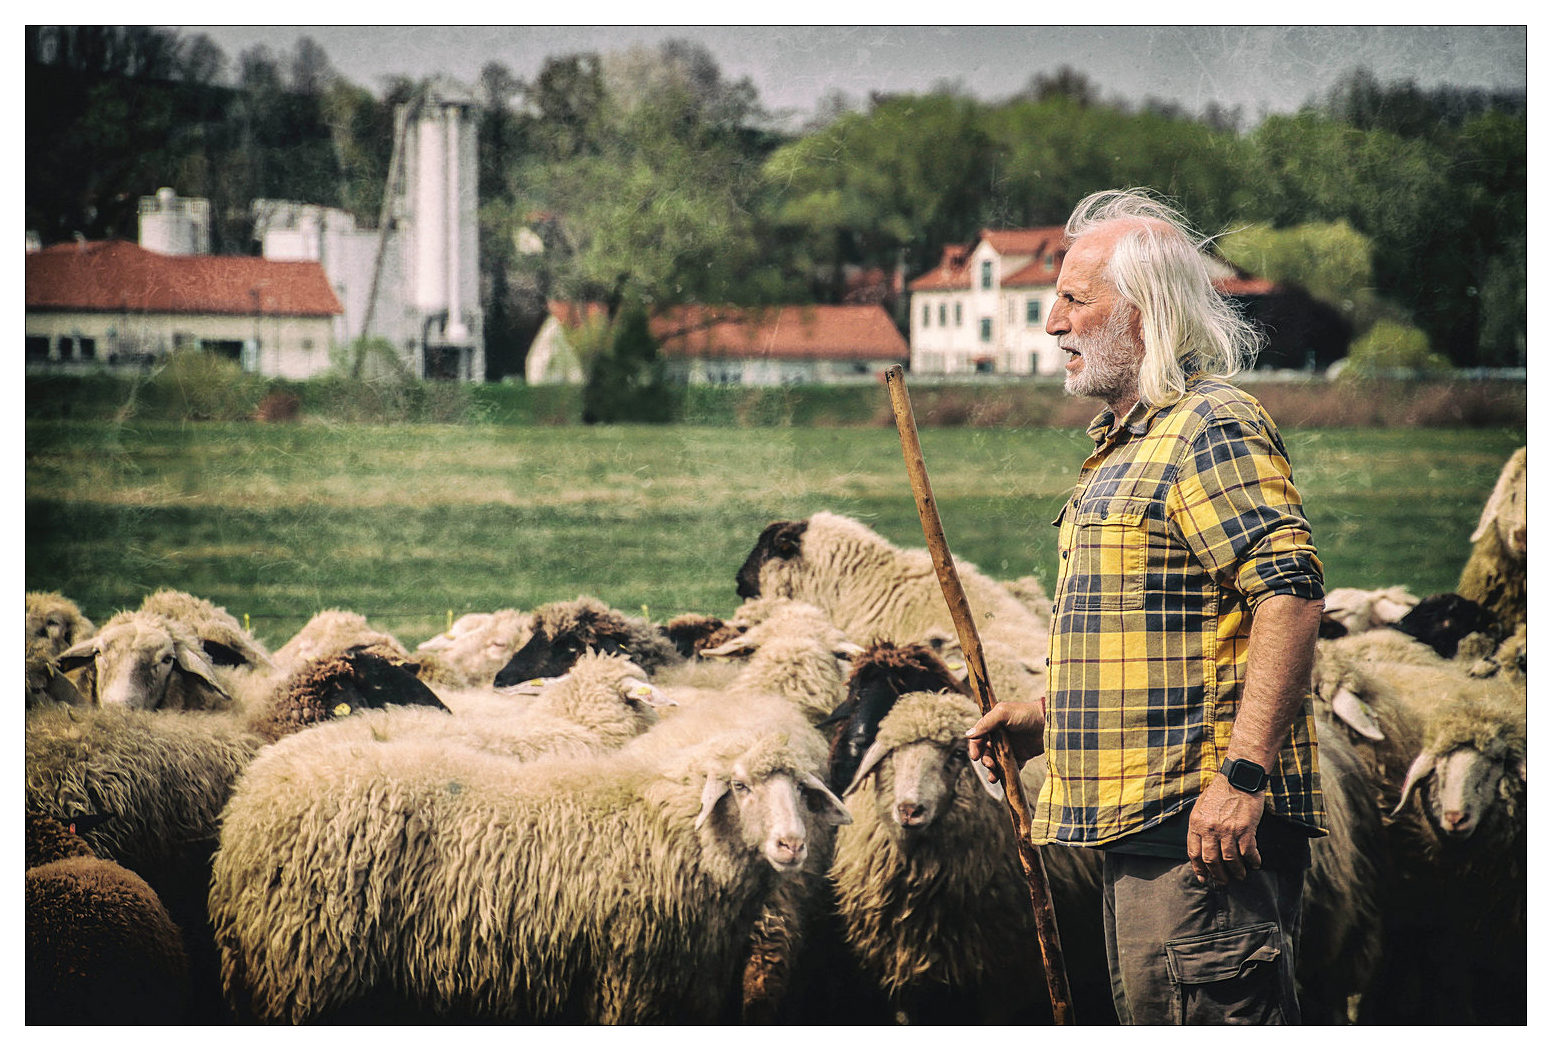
(534, 682)
(641, 693)
(956, 666)
(341, 709)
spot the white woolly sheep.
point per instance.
(100, 947)
(1355, 609)
(476, 647)
(872, 590)
(56, 620)
(465, 884)
(333, 631)
(225, 642)
(144, 660)
(1495, 571)
(929, 891)
(600, 704)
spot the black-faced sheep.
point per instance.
(332, 687)
(872, 590)
(56, 621)
(563, 631)
(100, 947)
(1495, 571)
(1444, 620)
(465, 884)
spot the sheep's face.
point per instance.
(481, 642)
(1459, 791)
(55, 626)
(133, 663)
(780, 541)
(917, 783)
(771, 814)
(552, 650)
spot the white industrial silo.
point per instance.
(174, 225)
(438, 217)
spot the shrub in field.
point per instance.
(627, 381)
(278, 406)
(199, 385)
(1391, 346)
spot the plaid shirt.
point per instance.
(1183, 520)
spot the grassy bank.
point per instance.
(407, 522)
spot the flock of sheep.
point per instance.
(577, 815)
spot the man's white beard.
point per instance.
(1110, 358)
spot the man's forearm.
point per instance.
(1277, 677)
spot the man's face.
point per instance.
(1094, 325)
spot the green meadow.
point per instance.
(412, 523)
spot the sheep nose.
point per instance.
(1453, 819)
(909, 814)
(791, 851)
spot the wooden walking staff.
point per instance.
(970, 644)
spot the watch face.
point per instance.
(1245, 776)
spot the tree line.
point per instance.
(651, 178)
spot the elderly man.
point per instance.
(1177, 722)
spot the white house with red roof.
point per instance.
(749, 346)
(114, 301)
(983, 308)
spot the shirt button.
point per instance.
(1064, 554)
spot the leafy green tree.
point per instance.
(1392, 346)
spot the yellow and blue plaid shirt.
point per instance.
(1182, 521)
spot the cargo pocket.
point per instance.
(1231, 976)
(1110, 554)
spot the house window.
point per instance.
(986, 330)
(66, 348)
(307, 344)
(926, 314)
(1050, 260)
(942, 313)
(1032, 311)
(37, 348)
(986, 273)
(88, 348)
(1034, 363)
(959, 314)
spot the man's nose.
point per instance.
(1056, 320)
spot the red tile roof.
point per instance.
(790, 332)
(1245, 285)
(950, 273)
(120, 276)
(1035, 241)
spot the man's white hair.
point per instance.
(1160, 267)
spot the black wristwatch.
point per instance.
(1244, 775)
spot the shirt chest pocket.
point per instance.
(1109, 553)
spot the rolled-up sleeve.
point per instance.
(1236, 508)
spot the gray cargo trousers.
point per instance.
(1189, 953)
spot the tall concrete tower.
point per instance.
(437, 213)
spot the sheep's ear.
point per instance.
(830, 808)
(638, 690)
(874, 755)
(716, 788)
(79, 655)
(983, 775)
(847, 651)
(194, 664)
(1351, 710)
(732, 648)
(788, 539)
(1421, 767)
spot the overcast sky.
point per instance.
(1262, 68)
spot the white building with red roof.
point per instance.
(749, 346)
(113, 301)
(983, 308)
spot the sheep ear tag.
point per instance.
(983, 775)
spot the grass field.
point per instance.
(404, 523)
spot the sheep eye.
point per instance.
(166, 658)
(740, 787)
